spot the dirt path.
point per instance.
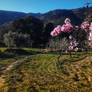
(2, 77)
(1, 81)
(10, 67)
(7, 69)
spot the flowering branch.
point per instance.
(69, 28)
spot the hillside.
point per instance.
(55, 16)
(7, 16)
(59, 15)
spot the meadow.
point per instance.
(35, 70)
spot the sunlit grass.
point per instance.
(3, 49)
(45, 72)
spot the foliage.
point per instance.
(14, 39)
(57, 44)
(46, 32)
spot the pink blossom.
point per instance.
(67, 28)
(90, 33)
(71, 43)
(76, 28)
(70, 37)
(75, 43)
(67, 21)
(86, 30)
(56, 31)
(85, 26)
(66, 51)
(53, 33)
(90, 26)
(90, 36)
(70, 47)
(63, 28)
(76, 49)
(58, 28)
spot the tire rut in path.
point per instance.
(2, 77)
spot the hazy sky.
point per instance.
(39, 5)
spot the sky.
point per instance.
(40, 6)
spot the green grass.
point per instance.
(3, 49)
(46, 73)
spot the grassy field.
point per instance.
(45, 72)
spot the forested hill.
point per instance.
(7, 16)
(55, 16)
(59, 15)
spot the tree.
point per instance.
(46, 32)
(55, 44)
(29, 25)
(15, 39)
(9, 39)
(81, 36)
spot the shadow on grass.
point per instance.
(77, 54)
(11, 53)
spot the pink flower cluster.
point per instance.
(56, 31)
(70, 47)
(70, 37)
(67, 27)
(90, 36)
(67, 21)
(90, 32)
(73, 44)
(76, 49)
(85, 26)
(76, 28)
(90, 28)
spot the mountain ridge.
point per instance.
(53, 16)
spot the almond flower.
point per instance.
(90, 36)
(70, 37)
(85, 26)
(75, 43)
(90, 27)
(76, 49)
(67, 28)
(66, 51)
(76, 28)
(56, 31)
(71, 43)
(90, 33)
(70, 47)
(67, 21)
